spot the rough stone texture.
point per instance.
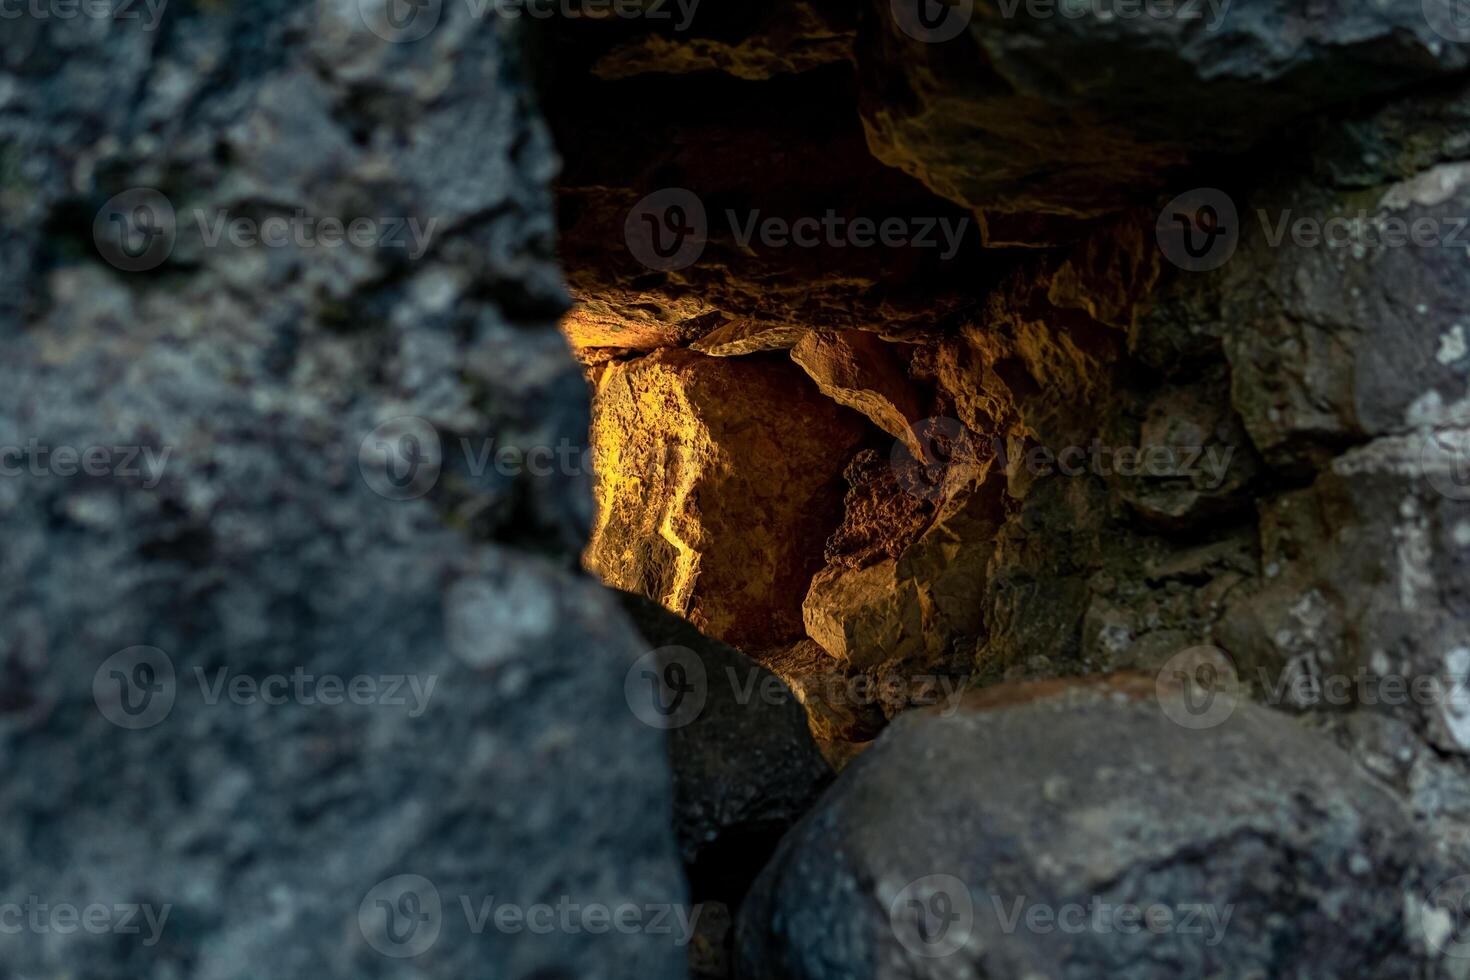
(1020, 796)
(750, 39)
(1348, 373)
(918, 606)
(718, 480)
(836, 709)
(258, 547)
(856, 369)
(1283, 404)
(753, 154)
(1333, 345)
(1076, 115)
(745, 765)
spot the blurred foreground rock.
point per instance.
(280, 668)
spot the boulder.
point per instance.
(857, 369)
(283, 697)
(1074, 829)
(718, 480)
(745, 765)
(920, 607)
(1073, 110)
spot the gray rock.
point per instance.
(1066, 803)
(745, 765)
(1072, 109)
(250, 514)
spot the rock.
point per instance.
(920, 607)
(864, 616)
(748, 40)
(856, 369)
(1340, 321)
(745, 765)
(717, 483)
(223, 626)
(881, 516)
(771, 202)
(740, 337)
(1191, 457)
(1034, 110)
(1349, 618)
(1284, 858)
(840, 705)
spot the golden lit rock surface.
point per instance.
(718, 481)
(857, 369)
